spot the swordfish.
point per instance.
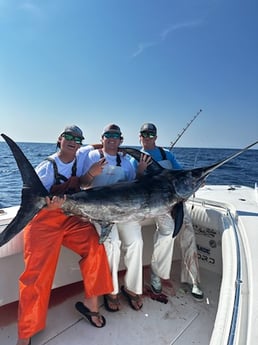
(153, 194)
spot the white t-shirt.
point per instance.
(112, 173)
(45, 169)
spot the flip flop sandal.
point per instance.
(130, 299)
(88, 314)
(109, 300)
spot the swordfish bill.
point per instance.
(153, 194)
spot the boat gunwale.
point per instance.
(237, 329)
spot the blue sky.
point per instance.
(93, 62)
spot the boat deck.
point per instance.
(181, 321)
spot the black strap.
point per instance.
(118, 158)
(59, 177)
(163, 153)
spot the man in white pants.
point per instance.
(108, 166)
(163, 241)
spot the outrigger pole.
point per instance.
(184, 129)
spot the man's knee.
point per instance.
(165, 231)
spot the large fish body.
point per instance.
(154, 194)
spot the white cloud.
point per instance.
(176, 27)
(163, 36)
(142, 47)
(30, 6)
(8, 7)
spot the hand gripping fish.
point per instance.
(154, 194)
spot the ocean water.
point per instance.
(242, 170)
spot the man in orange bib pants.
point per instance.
(47, 232)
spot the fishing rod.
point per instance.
(184, 129)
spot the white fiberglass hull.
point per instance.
(225, 219)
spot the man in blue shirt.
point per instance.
(163, 241)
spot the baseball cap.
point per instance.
(73, 130)
(148, 127)
(111, 128)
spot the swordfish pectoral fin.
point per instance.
(33, 194)
(177, 213)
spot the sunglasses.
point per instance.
(71, 137)
(109, 135)
(148, 135)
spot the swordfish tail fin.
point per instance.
(33, 194)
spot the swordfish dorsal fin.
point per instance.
(154, 167)
(33, 194)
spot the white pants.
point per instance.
(163, 241)
(125, 238)
(190, 265)
(161, 260)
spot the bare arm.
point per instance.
(95, 169)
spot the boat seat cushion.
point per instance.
(206, 218)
